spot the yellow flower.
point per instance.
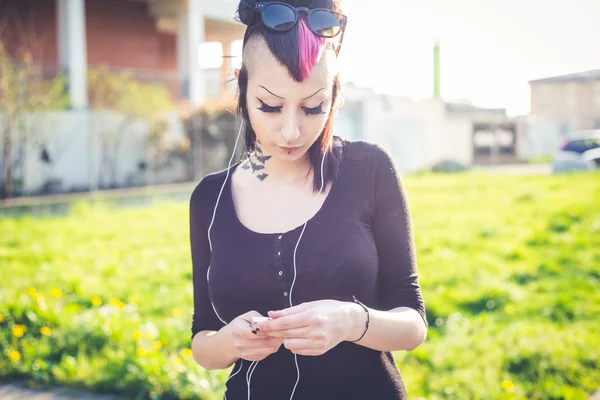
(46, 331)
(117, 303)
(132, 299)
(140, 352)
(96, 301)
(148, 335)
(187, 353)
(507, 385)
(1, 317)
(56, 292)
(18, 330)
(32, 291)
(157, 345)
(137, 335)
(176, 312)
(14, 355)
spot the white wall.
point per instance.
(541, 138)
(417, 133)
(73, 139)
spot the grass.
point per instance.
(542, 159)
(510, 270)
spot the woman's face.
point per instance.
(287, 116)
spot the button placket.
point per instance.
(279, 257)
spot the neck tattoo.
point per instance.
(257, 161)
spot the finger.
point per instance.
(291, 310)
(300, 344)
(256, 353)
(311, 352)
(267, 342)
(286, 323)
(259, 342)
(243, 331)
(247, 333)
(249, 315)
(290, 333)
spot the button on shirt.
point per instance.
(358, 243)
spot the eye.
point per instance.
(314, 111)
(267, 108)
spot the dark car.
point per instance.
(578, 151)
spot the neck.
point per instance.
(269, 168)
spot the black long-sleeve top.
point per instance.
(359, 243)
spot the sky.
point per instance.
(489, 49)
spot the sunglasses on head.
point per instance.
(282, 17)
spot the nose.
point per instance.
(290, 130)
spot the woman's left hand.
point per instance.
(312, 328)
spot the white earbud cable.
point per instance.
(210, 245)
(294, 281)
(253, 365)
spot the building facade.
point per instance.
(572, 100)
(156, 40)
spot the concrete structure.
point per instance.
(422, 133)
(572, 100)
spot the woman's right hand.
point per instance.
(248, 345)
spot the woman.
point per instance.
(309, 230)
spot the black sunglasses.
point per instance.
(282, 17)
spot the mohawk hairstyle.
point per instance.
(298, 50)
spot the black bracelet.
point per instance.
(368, 319)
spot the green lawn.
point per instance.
(510, 269)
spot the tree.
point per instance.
(24, 93)
(125, 101)
(26, 90)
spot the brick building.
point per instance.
(157, 40)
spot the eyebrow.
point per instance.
(284, 99)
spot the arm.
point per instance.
(400, 328)
(404, 325)
(214, 349)
(212, 346)
(399, 322)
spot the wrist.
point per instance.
(232, 354)
(357, 318)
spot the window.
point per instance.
(581, 145)
(210, 55)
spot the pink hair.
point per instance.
(309, 45)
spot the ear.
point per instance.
(236, 72)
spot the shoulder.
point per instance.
(375, 164)
(206, 192)
(372, 153)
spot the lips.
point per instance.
(289, 150)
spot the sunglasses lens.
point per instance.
(325, 23)
(278, 17)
